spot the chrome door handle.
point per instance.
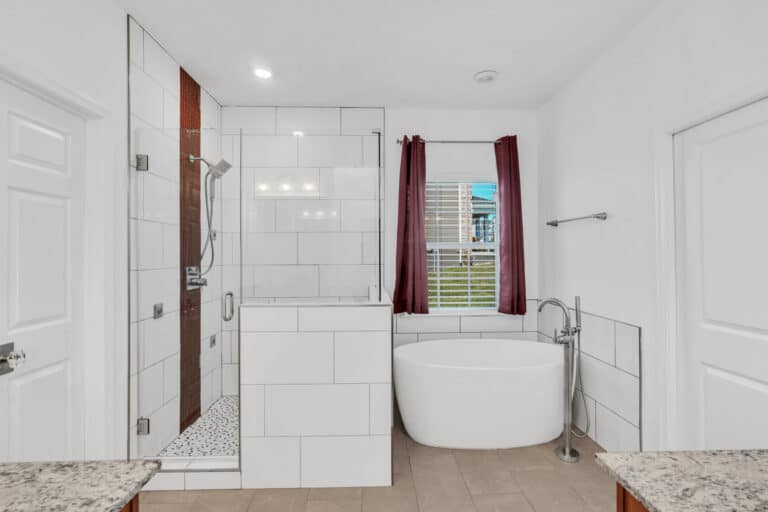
(228, 306)
(10, 359)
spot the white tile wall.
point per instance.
(310, 121)
(269, 462)
(346, 461)
(344, 319)
(361, 121)
(310, 215)
(269, 151)
(252, 120)
(362, 356)
(610, 373)
(349, 183)
(359, 215)
(280, 358)
(270, 248)
(320, 410)
(330, 248)
(331, 151)
(347, 280)
(285, 281)
(325, 378)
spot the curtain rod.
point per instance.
(400, 141)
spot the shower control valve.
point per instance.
(193, 278)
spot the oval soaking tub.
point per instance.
(480, 394)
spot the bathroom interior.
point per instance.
(494, 256)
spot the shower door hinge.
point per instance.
(142, 162)
(142, 426)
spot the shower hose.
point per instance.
(577, 377)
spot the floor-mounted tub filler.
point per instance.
(486, 394)
(480, 394)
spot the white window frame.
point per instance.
(433, 246)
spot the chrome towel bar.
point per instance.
(598, 216)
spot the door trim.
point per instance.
(667, 374)
(103, 361)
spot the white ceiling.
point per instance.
(419, 53)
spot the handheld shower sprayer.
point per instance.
(195, 276)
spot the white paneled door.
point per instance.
(41, 171)
(722, 241)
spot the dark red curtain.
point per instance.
(411, 279)
(510, 219)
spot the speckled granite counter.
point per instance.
(103, 486)
(714, 481)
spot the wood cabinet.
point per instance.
(625, 502)
(132, 506)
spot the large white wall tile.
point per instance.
(136, 37)
(628, 348)
(171, 379)
(157, 286)
(309, 121)
(269, 151)
(346, 461)
(339, 318)
(268, 319)
(347, 280)
(381, 409)
(148, 244)
(429, 336)
(359, 215)
(427, 323)
(269, 462)
(270, 248)
(172, 115)
(371, 151)
(281, 183)
(252, 411)
(349, 183)
(150, 389)
(320, 409)
(361, 121)
(309, 215)
(212, 480)
(229, 379)
(330, 248)
(165, 482)
(612, 387)
(160, 199)
(158, 338)
(598, 337)
(371, 248)
(252, 120)
(160, 66)
(614, 433)
(492, 322)
(259, 216)
(163, 151)
(146, 98)
(330, 151)
(282, 358)
(580, 414)
(362, 357)
(285, 281)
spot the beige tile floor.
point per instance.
(432, 480)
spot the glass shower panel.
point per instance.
(311, 231)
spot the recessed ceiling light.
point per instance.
(486, 76)
(298, 133)
(262, 73)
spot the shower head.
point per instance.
(217, 170)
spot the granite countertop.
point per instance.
(715, 481)
(97, 486)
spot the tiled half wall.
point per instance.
(316, 395)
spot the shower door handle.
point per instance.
(228, 307)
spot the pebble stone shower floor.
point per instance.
(212, 434)
(430, 479)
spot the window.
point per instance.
(461, 244)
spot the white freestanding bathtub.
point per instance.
(480, 394)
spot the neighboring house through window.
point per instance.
(462, 244)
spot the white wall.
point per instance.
(604, 136)
(83, 51)
(464, 161)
